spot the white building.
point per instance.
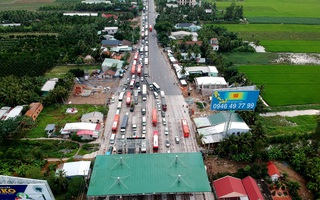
(49, 85)
(87, 131)
(110, 30)
(206, 84)
(86, 14)
(203, 70)
(80, 168)
(216, 127)
(15, 112)
(179, 35)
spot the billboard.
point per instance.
(26, 191)
(234, 100)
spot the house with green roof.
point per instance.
(110, 63)
(145, 174)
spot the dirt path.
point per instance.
(304, 193)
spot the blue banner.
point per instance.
(234, 100)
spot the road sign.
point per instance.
(234, 100)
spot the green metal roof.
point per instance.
(126, 174)
(223, 117)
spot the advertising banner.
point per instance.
(24, 192)
(234, 100)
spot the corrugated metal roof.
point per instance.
(252, 189)
(49, 85)
(210, 80)
(80, 168)
(223, 117)
(229, 187)
(125, 174)
(202, 122)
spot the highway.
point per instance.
(159, 71)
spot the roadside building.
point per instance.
(203, 70)
(73, 169)
(179, 35)
(49, 85)
(92, 117)
(111, 43)
(111, 63)
(15, 112)
(229, 187)
(214, 127)
(206, 84)
(34, 110)
(87, 131)
(187, 26)
(110, 30)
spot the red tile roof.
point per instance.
(109, 16)
(272, 169)
(252, 189)
(228, 187)
(281, 198)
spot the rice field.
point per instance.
(286, 84)
(24, 4)
(296, 38)
(275, 8)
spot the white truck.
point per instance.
(144, 92)
(162, 94)
(146, 61)
(134, 123)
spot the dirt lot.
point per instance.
(304, 193)
(100, 91)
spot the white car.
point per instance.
(166, 131)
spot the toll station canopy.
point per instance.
(139, 174)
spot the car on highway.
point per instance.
(163, 114)
(134, 134)
(144, 130)
(112, 99)
(177, 139)
(164, 121)
(159, 107)
(167, 142)
(166, 131)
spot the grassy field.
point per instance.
(286, 84)
(59, 71)
(240, 58)
(280, 37)
(24, 4)
(288, 125)
(274, 8)
(56, 114)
